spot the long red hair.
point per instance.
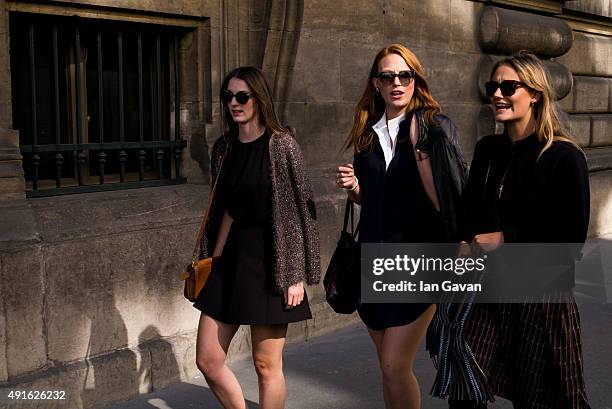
(371, 106)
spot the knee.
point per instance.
(267, 371)
(209, 366)
(395, 370)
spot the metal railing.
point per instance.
(82, 165)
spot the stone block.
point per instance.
(172, 359)
(12, 188)
(467, 119)
(316, 75)
(355, 16)
(413, 25)
(189, 65)
(12, 168)
(82, 318)
(601, 203)
(601, 130)
(567, 103)
(78, 217)
(107, 302)
(599, 159)
(95, 383)
(504, 31)
(580, 129)
(23, 297)
(591, 94)
(601, 8)
(5, 106)
(450, 74)
(355, 64)
(9, 144)
(162, 293)
(116, 377)
(464, 26)
(3, 361)
(321, 129)
(165, 368)
(19, 225)
(332, 123)
(590, 55)
(180, 7)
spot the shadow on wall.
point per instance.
(108, 377)
(163, 368)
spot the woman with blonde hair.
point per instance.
(527, 185)
(407, 174)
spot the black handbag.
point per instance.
(343, 273)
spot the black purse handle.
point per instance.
(349, 210)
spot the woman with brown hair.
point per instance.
(263, 193)
(407, 174)
(529, 184)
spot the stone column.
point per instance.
(12, 184)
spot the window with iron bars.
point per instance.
(97, 104)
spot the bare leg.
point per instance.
(377, 337)
(396, 356)
(268, 342)
(214, 338)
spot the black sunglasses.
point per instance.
(388, 77)
(241, 96)
(507, 87)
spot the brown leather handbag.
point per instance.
(197, 273)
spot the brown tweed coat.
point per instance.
(294, 231)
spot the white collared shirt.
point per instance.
(387, 135)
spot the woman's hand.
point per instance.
(489, 242)
(345, 177)
(294, 295)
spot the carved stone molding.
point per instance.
(507, 31)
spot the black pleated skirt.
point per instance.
(240, 289)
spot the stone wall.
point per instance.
(90, 298)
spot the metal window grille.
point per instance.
(97, 104)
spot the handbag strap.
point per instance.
(349, 212)
(196, 250)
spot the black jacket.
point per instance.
(531, 200)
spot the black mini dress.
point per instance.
(394, 209)
(240, 290)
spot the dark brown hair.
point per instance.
(260, 91)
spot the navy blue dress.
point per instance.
(394, 209)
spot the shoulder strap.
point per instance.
(196, 250)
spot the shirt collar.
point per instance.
(393, 123)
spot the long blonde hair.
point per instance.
(532, 72)
(371, 106)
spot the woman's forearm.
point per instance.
(355, 195)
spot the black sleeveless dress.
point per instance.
(241, 290)
(394, 209)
